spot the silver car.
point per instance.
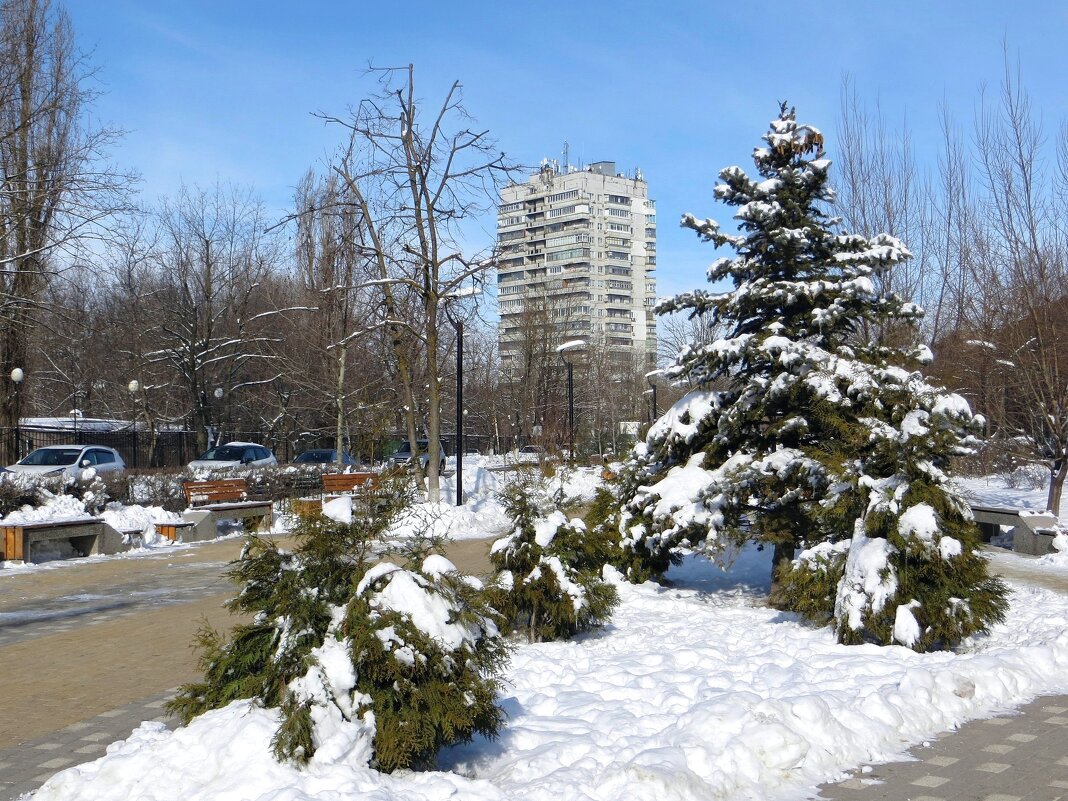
(234, 454)
(54, 460)
(404, 455)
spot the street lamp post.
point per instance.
(17, 377)
(216, 429)
(651, 378)
(459, 325)
(574, 344)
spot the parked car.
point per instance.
(53, 460)
(325, 456)
(234, 454)
(404, 455)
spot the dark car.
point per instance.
(324, 456)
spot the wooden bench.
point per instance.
(1032, 532)
(222, 499)
(336, 485)
(347, 483)
(17, 539)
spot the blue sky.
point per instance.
(225, 90)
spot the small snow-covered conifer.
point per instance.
(380, 663)
(549, 583)
(805, 414)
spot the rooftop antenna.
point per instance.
(566, 164)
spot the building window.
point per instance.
(572, 193)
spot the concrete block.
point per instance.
(1035, 543)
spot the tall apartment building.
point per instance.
(577, 262)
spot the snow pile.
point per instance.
(482, 513)
(55, 508)
(1059, 556)
(142, 519)
(339, 509)
(695, 692)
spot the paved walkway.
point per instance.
(89, 650)
(1023, 755)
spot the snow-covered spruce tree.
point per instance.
(377, 663)
(549, 583)
(805, 413)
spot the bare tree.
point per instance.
(54, 191)
(414, 183)
(209, 314)
(337, 304)
(1022, 279)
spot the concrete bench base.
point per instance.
(1035, 543)
(1030, 531)
(256, 515)
(87, 537)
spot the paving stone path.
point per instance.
(1022, 756)
(89, 651)
(26, 766)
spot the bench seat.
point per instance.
(1032, 532)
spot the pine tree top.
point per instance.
(797, 277)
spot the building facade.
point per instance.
(577, 260)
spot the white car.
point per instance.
(404, 455)
(54, 460)
(234, 454)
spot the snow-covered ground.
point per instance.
(482, 514)
(1022, 490)
(696, 691)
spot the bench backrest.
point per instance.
(347, 482)
(218, 491)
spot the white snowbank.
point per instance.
(482, 514)
(55, 507)
(693, 692)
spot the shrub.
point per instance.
(333, 639)
(549, 584)
(808, 585)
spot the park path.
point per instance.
(90, 649)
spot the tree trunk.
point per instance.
(339, 399)
(781, 558)
(433, 474)
(1056, 484)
